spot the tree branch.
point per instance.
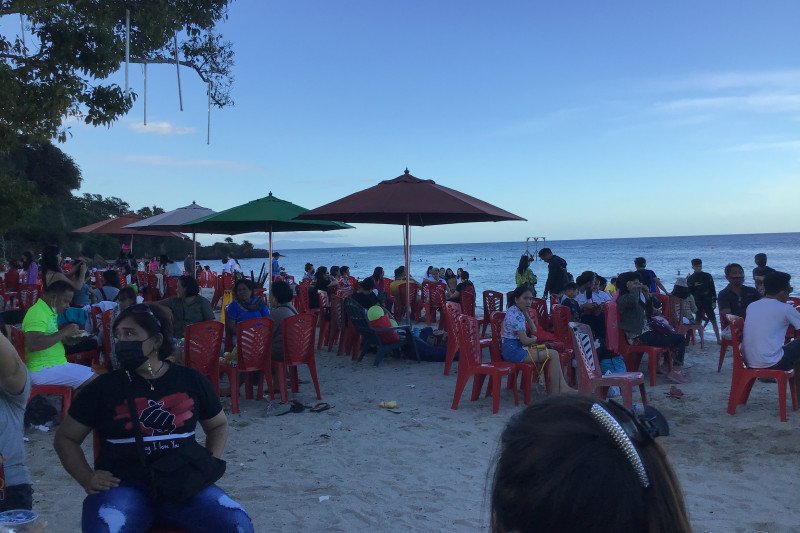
(189, 64)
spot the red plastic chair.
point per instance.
(492, 302)
(141, 279)
(529, 372)
(254, 353)
(298, 349)
(632, 353)
(27, 296)
(471, 365)
(151, 293)
(323, 318)
(202, 342)
(724, 343)
(467, 301)
(98, 280)
(509, 299)
(453, 311)
(672, 312)
(589, 377)
(337, 322)
(8, 299)
(434, 303)
(542, 317)
(18, 340)
(224, 282)
(171, 286)
(303, 299)
(123, 282)
(561, 317)
(744, 377)
(403, 303)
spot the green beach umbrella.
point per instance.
(269, 214)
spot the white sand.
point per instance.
(425, 469)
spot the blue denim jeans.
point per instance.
(615, 365)
(130, 508)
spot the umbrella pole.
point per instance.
(407, 250)
(194, 254)
(269, 260)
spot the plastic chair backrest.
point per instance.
(561, 319)
(387, 284)
(665, 307)
(105, 323)
(298, 338)
(675, 306)
(469, 348)
(614, 335)
(227, 281)
(492, 302)
(254, 343)
(2, 286)
(496, 323)
(303, 300)
(543, 318)
(337, 311)
(412, 293)
(583, 345)
(27, 295)
(737, 332)
(794, 300)
(468, 301)
(357, 316)
(453, 311)
(141, 279)
(171, 285)
(202, 344)
(436, 294)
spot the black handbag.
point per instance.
(182, 472)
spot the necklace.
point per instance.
(153, 374)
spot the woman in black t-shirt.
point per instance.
(170, 400)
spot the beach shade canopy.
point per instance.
(117, 226)
(269, 214)
(173, 221)
(409, 201)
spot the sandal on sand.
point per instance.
(294, 407)
(321, 406)
(677, 377)
(674, 393)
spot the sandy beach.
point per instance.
(357, 467)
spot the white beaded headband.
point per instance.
(622, 440)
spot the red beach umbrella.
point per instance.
(116, 226)
(409, 201)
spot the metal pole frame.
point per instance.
(407, 250)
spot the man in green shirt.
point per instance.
(45, 355)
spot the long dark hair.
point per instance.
(555, 459)
(623, 279)
(27, 259)
(524, 262)
(377, 273)
(49, 261)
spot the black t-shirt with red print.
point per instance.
(168, 415)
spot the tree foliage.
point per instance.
(71, 48)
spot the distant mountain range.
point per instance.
(300, 245)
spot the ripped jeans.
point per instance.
(129, 508)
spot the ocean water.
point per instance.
(492, 265)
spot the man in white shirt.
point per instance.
(227, 265)
(765, 327)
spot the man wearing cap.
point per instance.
(701, 287)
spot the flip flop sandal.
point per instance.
(675, 393)
(294, 407)
(318, 408)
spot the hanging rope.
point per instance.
(178, 70)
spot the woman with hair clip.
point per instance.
(573, 463)
(145, 415)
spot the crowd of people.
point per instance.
(148, 386)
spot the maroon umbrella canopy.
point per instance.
(116, 226)
(407, 199)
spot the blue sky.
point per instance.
(590, 119)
